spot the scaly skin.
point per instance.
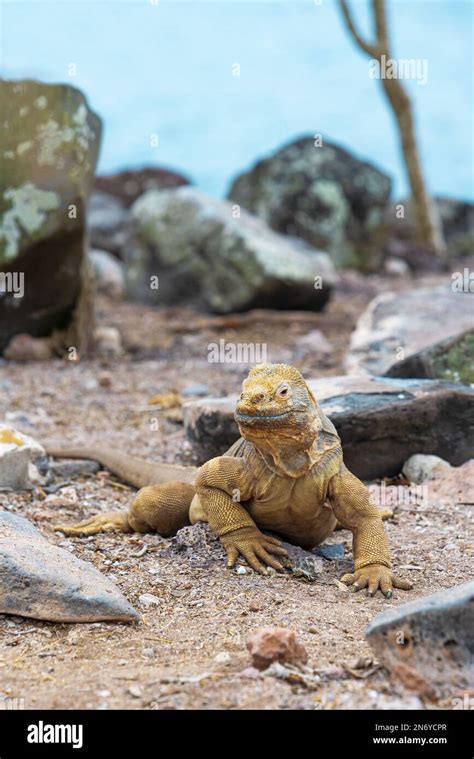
(286, 475)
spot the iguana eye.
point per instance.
(283, 391)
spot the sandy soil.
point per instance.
(189, 650)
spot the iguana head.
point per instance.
(277, 410)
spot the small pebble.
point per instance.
(147, 599)
(249, 673)
(241, 571)
(328, 551)
(223, 657)
(105, 379)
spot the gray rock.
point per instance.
(109, 273)
(330, 551)
(381, 421)
(73, 468)
(432, 637)
(457, 221)
(108, 220)
(420, 468)
(202, 254)
(397, 327)
(396, 267)
(148, 599)
(312, 345)
(42, 581)
(18, 456)
(302, 564)
(450, 359)
(108, 341)
(23, 348)
(49, 141)
(129, 185)
(321, 194)
(195, 390)
(210, 426)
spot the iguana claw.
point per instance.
(255, 547)
(376, 577)
(111, 520)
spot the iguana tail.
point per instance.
(134, 471)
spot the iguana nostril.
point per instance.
(258, 397)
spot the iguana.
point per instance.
(285, 475)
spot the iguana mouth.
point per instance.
(263, 417)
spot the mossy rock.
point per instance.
(412, 333)
(49, 143)
(451, 360)
(321, 193)
(456, 362)
(202, 253)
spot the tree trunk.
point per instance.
(425, 211)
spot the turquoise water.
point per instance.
(165, 70)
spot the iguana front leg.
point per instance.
(372, 566)
(221, 486)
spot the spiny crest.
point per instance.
(281, 372)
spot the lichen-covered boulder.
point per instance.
(319, 192)
(49, 142)
(188, 246)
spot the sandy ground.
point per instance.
(189, 650)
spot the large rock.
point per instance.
(457, 221)
(419, 333)
(450, 359)
(49, 141)
(202, 254)
(109, 273)
(129, 185)
(42, 581)
(108, 221)
(322, 194)
(429, 639)
(381, 422)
